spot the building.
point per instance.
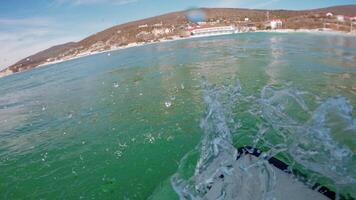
(208, 31)
(329, 14)
(351, 17)
(160, 31)
(158, 25)
(143, 26)
(167, 30)
(340, 18)
(247, 19)
(201, 23)
(276, 23)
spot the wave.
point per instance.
(217, 174)
(311, 143)
(306, 136)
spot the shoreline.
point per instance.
(321, 31)
(8, 72)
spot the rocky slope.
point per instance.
(173, 25)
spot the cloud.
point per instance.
(21, 37)
(91, 2)
(25, 22)
(15, 49)
(252, 4)
(226, 3)
(124, 2)
(265, 4)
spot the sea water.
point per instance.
(159, 121)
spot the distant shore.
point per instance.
(131, 45)
(186, 38)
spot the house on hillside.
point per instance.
(214, 30)
(145, 36)
(143, 26)
(329, 14)
(340, 18)
(276, 24)
(351, 17)
(158, 25)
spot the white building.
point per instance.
(352, 17)
(158, 25)
(340, 18)
(143, 26)
(247, 19)
(158, 32)
(167, 30)
(329, 14)
(275, 24)
(221, 30)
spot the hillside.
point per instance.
(173, 25)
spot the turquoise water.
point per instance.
(119, 126)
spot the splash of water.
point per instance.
(218, 175)
(310, 143)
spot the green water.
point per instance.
(117, 126)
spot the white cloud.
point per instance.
(90, 2)
(25, 22)
(124, 2)
(225, 3)
(21, 37)
(265, 4)
(14, 50)
(252, 4)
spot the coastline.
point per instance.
(322, 31)
(8, 72)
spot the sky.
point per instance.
(27, 27)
